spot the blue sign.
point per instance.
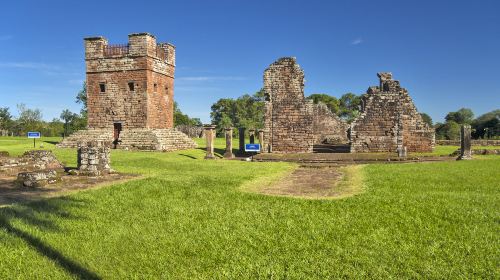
(34, 134)
(252, 147)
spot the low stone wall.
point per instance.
(327, 127)
(37, 179)
(191, 131)
(29, 161)
(42, 159)
(479, 142)
(94, 158)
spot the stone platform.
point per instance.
(166, 140)
(345, 158)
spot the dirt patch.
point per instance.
(10, 192)
(313, 182)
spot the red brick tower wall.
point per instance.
(142, 62)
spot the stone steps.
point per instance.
(135, 139)
(85, 136)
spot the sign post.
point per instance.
(34, 135)
(252, 148)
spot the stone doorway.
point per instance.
(117, 128)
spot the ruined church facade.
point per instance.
(388, 120)
(293, 124)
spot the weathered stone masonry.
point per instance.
(328, 127)
(288, 115)
(389, 121)
(130, 90)
(131, 84)
(292, 124)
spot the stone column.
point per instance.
(251, 134)
(241, 131)
(465, 142)
(261, 141)
(229, 143)
(210, 136)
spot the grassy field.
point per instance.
(188, 219)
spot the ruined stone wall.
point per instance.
(328, 127)
(94, 158)
(143, 62)
(288, 116)
(389, 120)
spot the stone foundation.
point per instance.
(38, 179)
(29, 161)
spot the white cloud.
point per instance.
(5, 37)
(357, 41)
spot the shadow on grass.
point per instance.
(52, 142)
(189, 156)
(29, 214)
(218, 152)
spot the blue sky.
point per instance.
(446, 53)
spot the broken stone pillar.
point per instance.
(94, 158)
(465, 142)
(229, 143)
(210, 137)
(261, 141)
(241, 131)
(251, 133)
(402, 152)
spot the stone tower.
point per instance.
(130, 95)
(130, 86)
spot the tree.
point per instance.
(330, 101)
(349, 106)
(28, 120)
(427, 119)
(68, 117)
(487, 125)
(449, 130)
(81, 97)
(244, 111)
(462, 116)
(183, 119)
(6, 121)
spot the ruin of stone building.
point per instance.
(293, 124)
(288, 116)
(389, 121)
(130, 95)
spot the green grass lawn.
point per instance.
(440, 150)
(187, 219)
